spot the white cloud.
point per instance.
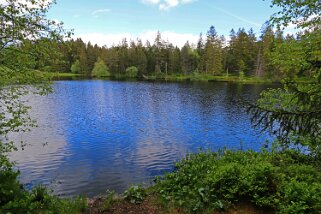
(151, 1)
(76, 16)
(177, 39)
(107, 10)
(167, 4)
(236, 16)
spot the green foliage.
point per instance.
(131, 71)
(13, 110)
(75, 68)
(100, 69)
(40, 201)
(23, 21)
(242, 67)
(303, 13)
(26, 27)
(10, 188)
(135, 194)
(241, 75)
(286, 182)
(189, 59)
(109, 200)
(293, 113)
(17, 65)
(14, 199)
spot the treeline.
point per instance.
(243, 54)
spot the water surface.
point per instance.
(95, 135)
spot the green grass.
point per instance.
(178, 78)
(58, 75)
(207, 78)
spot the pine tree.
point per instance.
(213, 56)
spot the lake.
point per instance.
(95, 135)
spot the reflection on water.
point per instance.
(108, 134)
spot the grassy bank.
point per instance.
(59, 75)
(176, 78)
(170, 78)
(197, 77)
(209, 78)
(206, 182)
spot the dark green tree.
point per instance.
(189, 59)
(213, 55)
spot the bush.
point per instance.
(14, 199)
(131, 72)
(135, 194)
(286, 182)
(40, 201)
(100, 69)
(9, 186)
(75, 67)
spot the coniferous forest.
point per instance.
(244, 53)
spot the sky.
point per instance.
(107, 22)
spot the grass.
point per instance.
(59, 75)
(178, 78)
(207, 78)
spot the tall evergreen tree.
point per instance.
(213, 57)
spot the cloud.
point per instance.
(166, 5)
(151, 1)
(237, 17)
(76, 16)
(99, 11)
(177, 39)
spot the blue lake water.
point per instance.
(95, 135)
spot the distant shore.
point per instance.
(168, 78)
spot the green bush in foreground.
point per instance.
(286, 182)
(14, 199)
(40, 201)
(135, 194)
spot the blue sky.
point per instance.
(108, 21)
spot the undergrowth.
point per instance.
(283, 182)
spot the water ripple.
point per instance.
(97, 135)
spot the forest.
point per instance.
(243, 54)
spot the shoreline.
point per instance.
(170, 78)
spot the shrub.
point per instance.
(14, 199)
(135, 194)
(132, 71)
(75, 67)
(100, 69)
(9, 186)
(287, 182)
